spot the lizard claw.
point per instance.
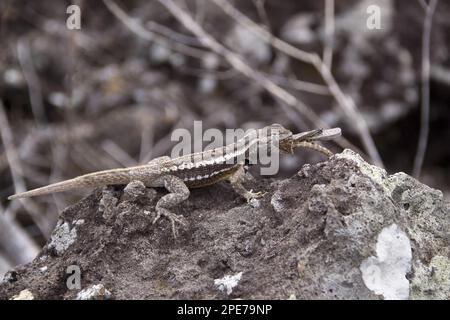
(172, 217)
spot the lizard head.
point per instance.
(280, 137)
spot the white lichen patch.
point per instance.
(62, 237)
(94, 292)
(385, 274)
(227, 283)
(23, 295)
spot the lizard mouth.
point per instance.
(287, 145)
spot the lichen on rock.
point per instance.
(385, 274)
(62, 237)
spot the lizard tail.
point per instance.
(96, 179)
(52, 188)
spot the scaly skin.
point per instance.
(195, 170)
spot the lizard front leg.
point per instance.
(236, 180)
(178, 193)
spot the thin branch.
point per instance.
(239, 64)
(118, 154)
(93, 158)
(285, 81)
(16, 173)
(440, 74)
(423, 4)
(202, 72)
(19, 246)
(169, 33)
(59, 155)
(10, 151)
(147, 141)
(425, 79)
(329, 33)
(33, 83)
(200, 11)
(345, 102)
(136, 27)
(299, 85)
(262, 13)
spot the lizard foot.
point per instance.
(172, 217)
(250, 195)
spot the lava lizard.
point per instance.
(195, 170)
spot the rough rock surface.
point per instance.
(339, 229)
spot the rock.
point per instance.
(339, 229)
(23, 295)
(94, 292)
(227, 283)
(63, 236)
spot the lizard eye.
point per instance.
(276, 128)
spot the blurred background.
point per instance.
(109, 93)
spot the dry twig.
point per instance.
(425, 78)
(345, 102)
(329, 33)
(16, 173)
(118, 154)
(34, 85)
(136, 27)
(239, 64)
(18, 245)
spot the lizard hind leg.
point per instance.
(178, 192)
(237, 179)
